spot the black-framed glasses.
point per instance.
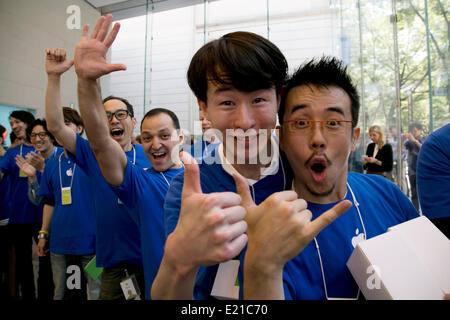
(119, 114)
(41, 135)
(327, 126)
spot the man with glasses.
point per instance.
(287, 257)
(118, 247)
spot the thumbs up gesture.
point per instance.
(278, 230)
(210, 228)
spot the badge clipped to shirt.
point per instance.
(119, 201)
(66, 196)
(22, 174)
(130, 288)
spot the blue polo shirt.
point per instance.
(21, 210)
(117, 234)
(72, 228)
(143, 192)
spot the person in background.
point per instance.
(208, 141)
(25, 217)
(433, 178)
(379, 157)
(412, 144)
(68, 219)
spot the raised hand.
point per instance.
(280, 227)
(25, 166)
(56, 62)
(210, 228)
(90, 53)
(36, 160)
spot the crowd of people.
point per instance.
(161, 222)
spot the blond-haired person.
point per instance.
(378, 158)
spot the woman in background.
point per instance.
(378, 158)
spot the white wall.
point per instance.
(27, 28)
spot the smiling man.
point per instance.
(141, 191)
(118, 245)
(237, 81)
(319, 114)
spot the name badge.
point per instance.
(22, 174)
(119, 201)
(130, 288)
(66, 196)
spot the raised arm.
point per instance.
(55, 65)
(90, 65)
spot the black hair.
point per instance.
(3, 134)
(43, 123)
(24, 116)
(156, 111)
(127, 103)
(325, 72)
(73, 116)
(243, 60)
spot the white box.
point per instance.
(409, 262)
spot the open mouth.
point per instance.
(318, 168)
(117, 133)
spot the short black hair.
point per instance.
(155, 111)
(244, 60)
(127, 103)
(24, 116)
(43, 123)
(325, 72)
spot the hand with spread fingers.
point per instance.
(278, 230)
(90, 53)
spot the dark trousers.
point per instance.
(21, 240)
(112, 277)
(413, 185)
(5, 263)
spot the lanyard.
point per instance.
(165, 179)
(134, 156)
(320, 258)
(73, 172)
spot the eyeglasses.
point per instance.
(327, 126)
(41, 135)
(119, 114)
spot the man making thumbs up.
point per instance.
(319, 113)
(237, 81)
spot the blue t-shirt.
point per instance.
(381, 204)
(4, 195)
(143, 193)
(117, 235)
(72, 227)
(202, 148)
(21, 210)
(433, 174)
(214, 178)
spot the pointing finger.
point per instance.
(328, 217)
